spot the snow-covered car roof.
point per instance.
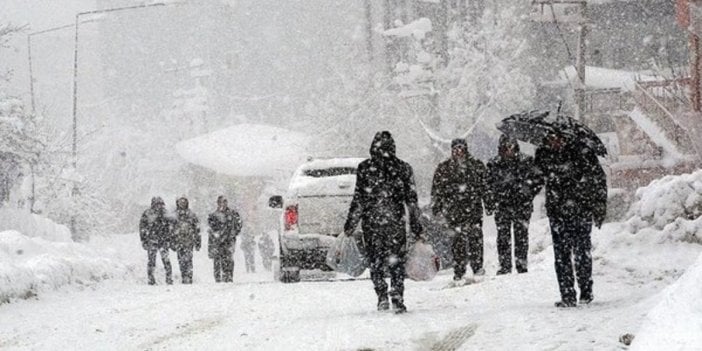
(322, 163)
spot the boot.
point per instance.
(586, 298)
(383, 303)
(398, 306)
(565, 304)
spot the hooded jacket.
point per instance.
(154, 227)
(186, 227)
(514, 180)
(459, 190)
(384, 189)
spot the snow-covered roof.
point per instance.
(247, 150)
(605, 78)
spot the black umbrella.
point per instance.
(532, 127)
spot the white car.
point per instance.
(314, 212)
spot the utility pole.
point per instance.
(582, 20)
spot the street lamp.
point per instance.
(75, 63)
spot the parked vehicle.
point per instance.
(314, 211)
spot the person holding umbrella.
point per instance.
(576, 194)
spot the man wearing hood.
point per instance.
(576, 198)
(186, 237)
(225, 225)
(384, 194)
(154, 232)
(458, 193)
(514, 180)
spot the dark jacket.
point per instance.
(576, 185)
(186, 230)
(384, 191)
(513, 180)
(459, 191)
(155, 229)
(224, 227)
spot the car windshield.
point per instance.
(329, 172)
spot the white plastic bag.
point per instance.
(345, 256)
(422, 263)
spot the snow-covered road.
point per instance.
(506, 312)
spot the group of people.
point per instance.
(463, 189)
(180, 232)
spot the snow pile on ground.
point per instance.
(33, 225)
(29, 265)
(676, 322)
(672, 204)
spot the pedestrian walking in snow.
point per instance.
(265, 247)
(384, 193)
(248, 245)
(225, 225)
(458, 194)
(514, 180)
(186, 237)
(155, 235)
(576, 197)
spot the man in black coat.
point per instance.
(186, 237)
(225, 225)
(384, 193)
(514, 180)
(458, 193)
(155, 235)
(576, 197)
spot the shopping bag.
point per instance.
(345, 257)
(422, 263)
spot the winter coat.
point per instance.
(513, 181)
(186, 230)
(384, 191)
(224, 227)
(459, 191)
(576, 185)
(155, 229)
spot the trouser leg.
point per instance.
(521, 242)
(185, 261)
(151, 264)
(166, 264)
(459, 254)
(396, 267)
(228, 268)
(377, 272)
(504, 242)
(562, 250)
(475, 246)
(583, 258)
(217, 267)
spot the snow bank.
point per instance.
(676, 322)
(672, 204)
(33, 225)
(29, 265)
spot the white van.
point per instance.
(314, 212)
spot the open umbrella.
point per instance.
(532, 127)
